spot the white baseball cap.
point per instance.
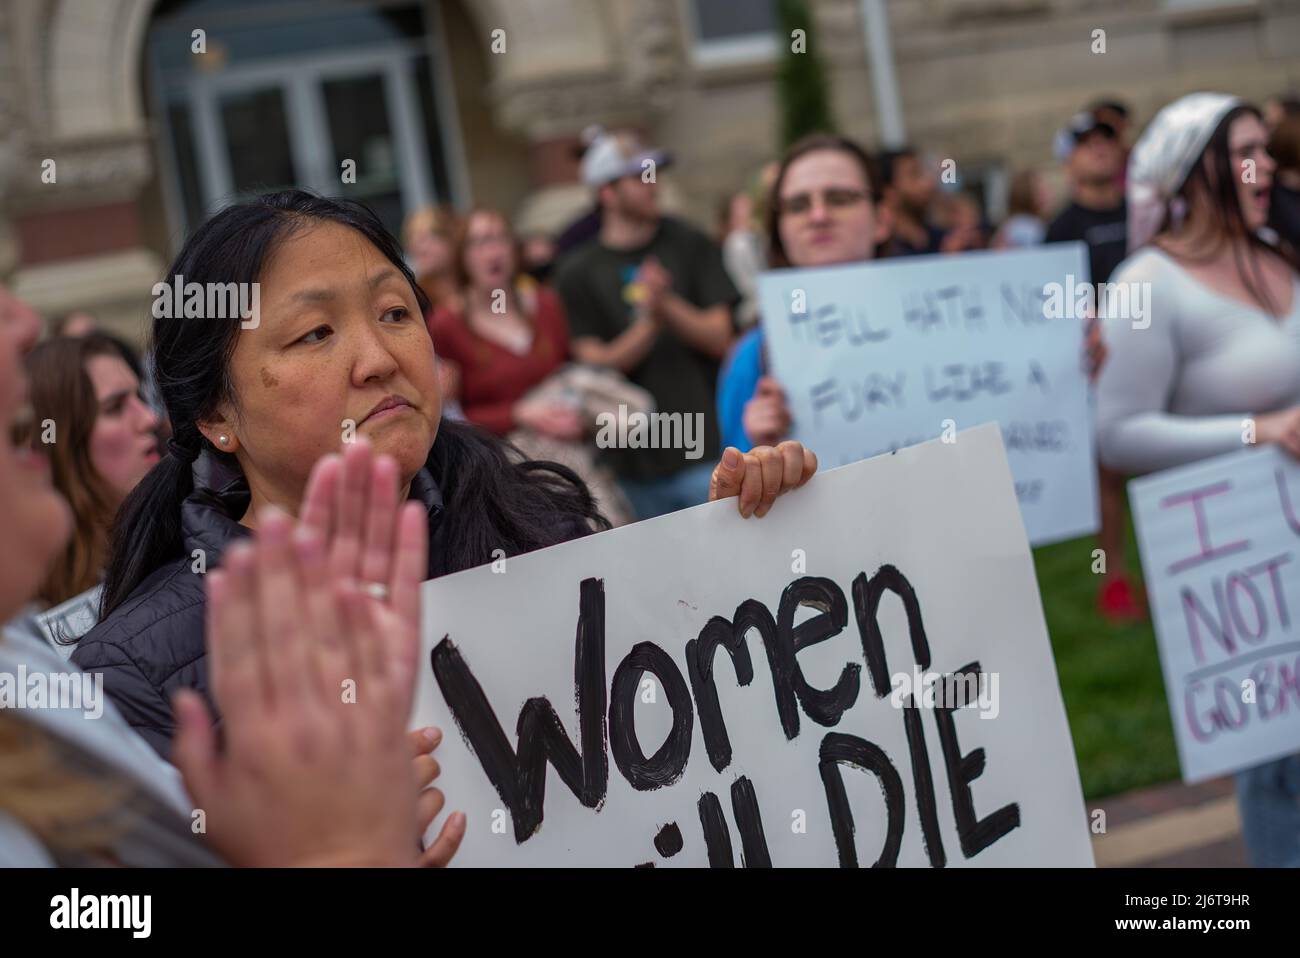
(611, 156)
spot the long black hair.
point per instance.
(494, 499)
(1213, 175)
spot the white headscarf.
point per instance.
(1165, 155)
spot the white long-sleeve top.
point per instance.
(1179, 390)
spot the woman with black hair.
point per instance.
(334, 347)
(1219, 347)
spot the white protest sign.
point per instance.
(877, 356)
(1218, 540)
(701, 688)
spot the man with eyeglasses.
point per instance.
(649, 297)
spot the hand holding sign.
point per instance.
(1282, 428)
(757, 477)
(1094, 348)
(874, 357)
(621, 702)
(430, 801)
(766, 418)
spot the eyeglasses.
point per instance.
(835, 198)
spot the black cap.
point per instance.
(1085, 122)
(1080, 125)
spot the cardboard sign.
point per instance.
(702, 689)
(877, 356)
(1219, 541)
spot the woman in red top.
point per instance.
(511, 335)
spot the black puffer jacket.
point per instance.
(153, 643)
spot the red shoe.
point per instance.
(1118, 602)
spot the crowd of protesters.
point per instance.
(201, 501)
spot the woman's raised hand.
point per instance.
(313, 632)
(352, 529)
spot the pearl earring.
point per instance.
(224, 440)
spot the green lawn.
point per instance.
(1110, 677)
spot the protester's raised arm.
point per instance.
(312, 635)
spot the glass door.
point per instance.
(360, 129)
(255, 143)
(296, 123)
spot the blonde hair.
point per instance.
(428, 219)
(442, 221)
(66, 809)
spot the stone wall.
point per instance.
(982, 81)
